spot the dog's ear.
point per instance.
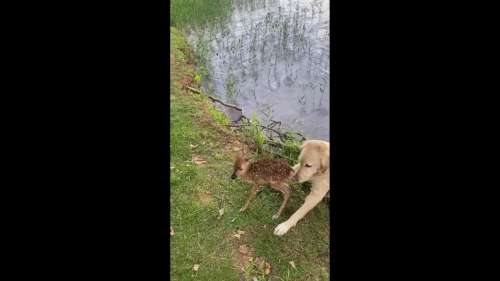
(325, 160)
(324, 163)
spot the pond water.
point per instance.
(272, 58)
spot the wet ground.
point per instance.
(272, 58)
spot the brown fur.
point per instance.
(268, 171)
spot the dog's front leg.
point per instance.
(311, 201)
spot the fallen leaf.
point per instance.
(243, 249)
(239, 233)
(193, 146)
(292, 264)
(267, 268)
(172, 232)
(250, 259)
(198, 160)
(221, 212)
(196, 267)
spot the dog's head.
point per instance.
(314, 160)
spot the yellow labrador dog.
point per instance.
(314, 166)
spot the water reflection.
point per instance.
(272, 58)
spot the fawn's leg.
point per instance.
(253, 192)
(285, 190)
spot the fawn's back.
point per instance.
(269, 170)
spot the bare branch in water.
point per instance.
(270, 128)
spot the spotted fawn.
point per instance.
(274, 172)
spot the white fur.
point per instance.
(320, 187)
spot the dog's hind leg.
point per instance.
(253, 192)
(285, 190)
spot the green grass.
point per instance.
(199, 191)
(194, 13)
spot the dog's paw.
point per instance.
(275, 216)
(281, 229)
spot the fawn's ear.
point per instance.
(241, 156)
(244, 153)
(238, 155)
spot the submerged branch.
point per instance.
(269, 128)
(216, 99)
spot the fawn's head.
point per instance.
(241, 164)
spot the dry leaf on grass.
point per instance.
(196, 267)
(267, 268)
(193, 146)
(172, 232)
(243, 249)
(198, 160)
(263, 265)
(292, 264)
(239, 233)
(221, 212)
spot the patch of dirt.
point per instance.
(186, 81)
(207, 119)
(206, 197)
(242, 254)
(243, 257)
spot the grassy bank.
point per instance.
(194, 13)
(200, 188)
